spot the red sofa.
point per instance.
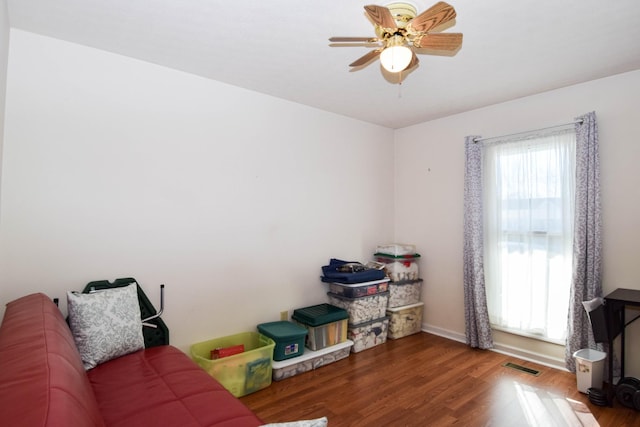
(43, 382)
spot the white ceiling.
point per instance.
(511, 48)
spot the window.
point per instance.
(528, 190)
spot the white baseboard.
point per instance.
(455, 336)
(508, 350)
(531, 356)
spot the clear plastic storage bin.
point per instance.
(362, 309)
(368, 334)
(396, 249)
(357, 290)
(404, 267)
(404, 292)
(406, 320)
(326, 325)
(311, 360)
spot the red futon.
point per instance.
(43, 382)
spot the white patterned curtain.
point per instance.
(587, 250)
(477, 325)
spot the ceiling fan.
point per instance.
(401, 33)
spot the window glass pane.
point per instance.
(529, 191)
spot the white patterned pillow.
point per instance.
(105, 324)
(318, 422)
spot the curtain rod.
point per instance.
(530, 131)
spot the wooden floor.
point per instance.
(426, 380)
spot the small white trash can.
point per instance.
(589, 368)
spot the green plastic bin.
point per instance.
(288, 336)
(242, 373)
(320, 314)
(326, 325)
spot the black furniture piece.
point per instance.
(616, 304)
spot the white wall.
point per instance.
(429, 163)
(115, 168)
(4, 57)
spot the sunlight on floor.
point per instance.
(541, 408)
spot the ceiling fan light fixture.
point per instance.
(402, 12)
(401, 33)
(396, 58)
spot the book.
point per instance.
(220, 352)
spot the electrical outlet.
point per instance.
(284, 315)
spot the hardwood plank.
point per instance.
(426, 380)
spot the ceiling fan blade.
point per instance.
(353, 39)
(355, 44)
(436, 15)
(439, 41)
(381, 16)
(368, 57)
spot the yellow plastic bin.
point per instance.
(589, 369)
(241, 373)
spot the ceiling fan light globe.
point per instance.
(396, 58)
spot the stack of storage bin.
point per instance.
(404, 308)
(316, 337)
(366, 304)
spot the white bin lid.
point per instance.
(590, 355)
(405, 307)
